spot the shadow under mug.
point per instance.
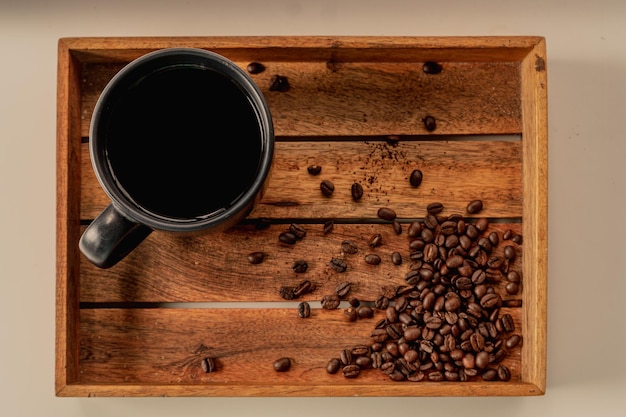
(181, 140)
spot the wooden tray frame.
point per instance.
(529, 53)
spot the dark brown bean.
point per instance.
(330, 301)
(302, 288)
(415, 228)
(208, 365)
(327, 188)
(338, 265)
(431, 68)
(429, 123)
(397, 227)
(513, 341)
(342, 289)
(386, 213)
(475, 206)
(351, 371)
(333, 366)
(350, 314)
(396, 258)
(297, 230)
(375, 240)
(304, 310)
(287, 238)
(328, 226)
(300, 266)
(256, 257)
(434, 208)
(314, 169)
(416, 177)
(282, 364)
(372, 259)
(365, 312)
(279, 83)
(357, 191)
(348, 246)
(255, 68)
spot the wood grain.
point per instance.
(455, 172)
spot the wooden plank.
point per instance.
(159, 347)
(455, 172)
(166, 268)
(68, 154)
(535, 207)
(369, 98)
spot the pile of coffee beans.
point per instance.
(445, 323)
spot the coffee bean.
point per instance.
(489, 301)
(302, 288)
(396, 258)
(372, 259)
(328, 226)
(287, 293)
(300, 266)
(509, 252)
(346, 357)
(256, 257)
(304, 310)
(435, 376)
(513, 341)
(482, 359)
(330, 301)
(298, 231)
(282, 364)
(429, 123)
(434, 208)
(287, 238)
(381, 302)
(482, 224)
(333, 366)
(356, 191)
(348, 246)
(208, 365)
(375, 240)
(475, 206)
(365, 312)
(517, 239)
(279, 83)
(327, 188)
(354, 302)
(431, 68)
(415, 228)
(338, 265)
(351, 371)
(507, 235)
(255, 68)
(512, 288)
(342, 289)
(386, 213)
(350, 314)
(503, 373)
(490, 375)
(416, 178)
(314, 169)
(397, 227)
(507, 323)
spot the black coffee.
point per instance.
(184, 142)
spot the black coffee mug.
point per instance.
(182, 141)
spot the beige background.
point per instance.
(586, 43)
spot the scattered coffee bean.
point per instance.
(365, 312)
(300, 266)
(397, 227)
(416, 178)
(356, 191)
(343, 289)
(429, 123)
(434, 208)
(514, 276)
(287, 238)
(386, 213)
(432, 68)
(348, 246)
(354, 302)
(333, 366)
(507, 235)
(327, 188)
(396, 258)
(509, 252)
(304, 310)
(415, 228)
(372, 259)
(512, 288)
(351, 371)
(282, 365)
(330, 301)
(287, 293)
(517, 239)
(350, 314)
(503, 373)
(302, 288)
(513, 341)
(328, 226)
(208, 365)
(375, 240)
(298, 231)
(256, 257)
(338, 264)
(314, 169)
(255, 68)
(475, 206)
(279, 83)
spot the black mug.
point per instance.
(182, 141)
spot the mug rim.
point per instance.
(118, 195)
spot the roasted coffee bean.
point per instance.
(494, 239)
(356, 191)
(512, 303)
(363, 362)
(454, 261)
(482, 359)
(346, 357)
(255, 68)
(328, 226)
(381, 302)
(513, 341)
(379, 335)
(507, 235)
(342, 289)
(482, 224)
(333, 366)
(475, 206)
(304, 310)
(431, 67)
(287, 293)
(415, 179)
(338, 265)
(287, 238)
(302, 288)
(300, 266)
(375, 240)
(517, 239)
(330, 301)
(354, 302)
(327, 188)
(397, 227)
(386, 213)
(256, 257)
(415, 228)
(314, 169)
(503, 373)
(490, 300)
(350, 314)
(507, 323)
(435, 376)
(490, 375)
(509, 252)
(348, 246)
(434, 208)
(279, 83)
(429, 123)
(360, 350)
(365, 312)
(512, 288)
(372, 259)
(208, 365)
(282, 364)
(377, 360)
(396, 258)
(298, 231)
(351, 371)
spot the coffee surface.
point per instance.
(183, 142)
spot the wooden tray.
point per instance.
(356, 107)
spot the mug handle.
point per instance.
(110, 237)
